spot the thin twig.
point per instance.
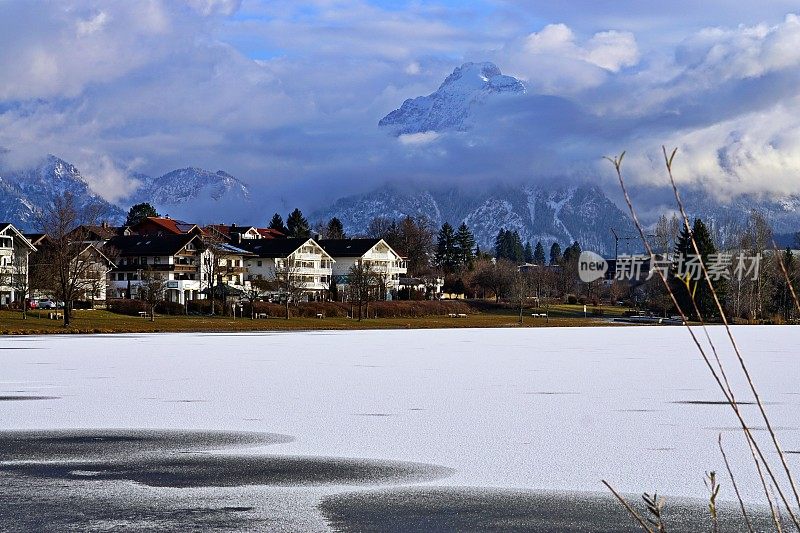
(627, 506)
(765, 487)
(735, 487)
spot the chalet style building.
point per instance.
(302, 259)
(226, 265)
(15, 250)
(373, 253)
(177, 258)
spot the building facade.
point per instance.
(376, 254)
(304, 260)
(15, 251)
(177, 259)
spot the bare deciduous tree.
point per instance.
(64, 251)
(361, 283)
(288, 281)
(152, 289)
(520, 287)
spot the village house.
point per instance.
(97, 235)
(376, 254)
(177, 258)
(15, 250)
(225, 264)
(235, 234)
(303, 260)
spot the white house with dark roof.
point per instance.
(15, 250)
(374, 253)
(311, 264)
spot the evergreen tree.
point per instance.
(572, 252)
(517, 248)
(446, 248)
(555, 254)
(501, 244)
(508, 245)
(139, 212)
(528, 252)
(335, 229)
(277, 224)
(538, 254)
(690, 284)
(465, 244)
(297, 225)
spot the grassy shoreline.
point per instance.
(104, 322)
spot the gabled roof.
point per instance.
(97, 250)
(36, 238)
(274, 248)
(137, 245)
(269, 233)
(6, 226)
(167, 225)
(351, 247)
(101, 232)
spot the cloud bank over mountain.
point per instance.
(287, 95)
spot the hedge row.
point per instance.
(393, 309)
(127, 307)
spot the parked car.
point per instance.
(32, 304)
(47, 304)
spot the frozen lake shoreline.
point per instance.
(545, 409)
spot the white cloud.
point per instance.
(555, 61)
(215, 7)
(413, 139)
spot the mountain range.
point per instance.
(191, 193)
(551, 210)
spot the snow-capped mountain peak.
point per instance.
(187, 184)
(25, 193)
(450, 107)
(195, 194)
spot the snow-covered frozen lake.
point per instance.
(554, 409)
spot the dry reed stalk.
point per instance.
(724, 387)
(668, 159)
(627, 506)
(735, 487)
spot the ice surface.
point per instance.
(545, 408)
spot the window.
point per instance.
(156, 260)
(258, 263)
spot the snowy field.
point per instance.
(545, 409)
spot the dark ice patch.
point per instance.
(474, 509)
(216, 470)
(18, 398)
(104, 443)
